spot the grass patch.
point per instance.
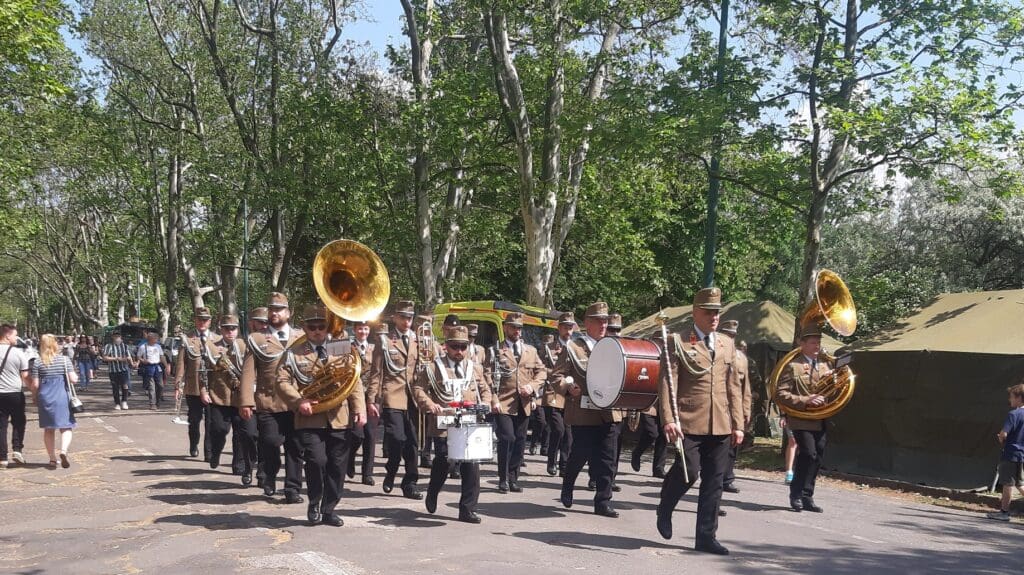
(764, 455)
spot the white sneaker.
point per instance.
(124, 405)
(3, 464)
(117, 406)
(999, 515)
(18, 458)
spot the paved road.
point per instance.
(133, 503)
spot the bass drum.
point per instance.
(623, 373)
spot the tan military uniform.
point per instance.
(479, 392)
(514, 375)
(710, 403)
(261, 373)
(340, 417)
(189, 361)
(565, 366)
(226, 384)
(792, 391)
(742, 369)
(392, 389)
(552, 397)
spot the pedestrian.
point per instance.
(119, 364)
(52, 377)
(153, 368)
(790, 440)
(1011, 436)
(84, 361)
(14, 378)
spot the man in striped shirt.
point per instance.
(120, 363)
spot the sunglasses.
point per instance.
(458, 346)
(229, 327)
(316, 326)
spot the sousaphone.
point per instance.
(833, 305)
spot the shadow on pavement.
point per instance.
(224, 521)
(518, 510)
(398, 517)
(590, 541)
(198, 484)
(234, 499)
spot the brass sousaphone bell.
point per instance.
(354, 285)
(833, 305)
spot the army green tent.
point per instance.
(931, 393)
(764, 325)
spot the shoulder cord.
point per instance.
(260, 355)
(687, 363)
(389, 364)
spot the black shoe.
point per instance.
(606, 511)
(533, 450)
(470, 517)
(333, 519)
(389, 483)
(796, 504)
(259, 482)
(369, 481)
(665, 525)
(455, 473)
(592, 485)
(635, 461)
(247, 478)
(351, 473)
(659, 474)
(552, 470)
(431, 501)
(514, 487)
(411, 492)
(730, 488)
(214, 462)
(616, 488)
(711, 546)
(809, 505)
(193, 452)
(543, 450)
(425, 461)
(566, 496)
(292, 497)
(502, 487)
(269, 489)
(313, 513)
(721, 512)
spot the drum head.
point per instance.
(606, 372)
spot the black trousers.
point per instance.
(224, 418)
(559, 436)
(511, 432)
(198, 418)
(12, 409)
(651, 432)
(594, 445)
(400, 437)
(539, 431)
(275, 430)
(119, 386)
(810, 449)
(706, 457)
(368, 442)
(326, 452)
(470, 470)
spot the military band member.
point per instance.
(192, 368)
(362, 344)
(392, 375)
(701, 403)
(258, 319)
(325, 437)
(476, 352)
(519, 372)
(559, 434)
(455, 365)
(275, 421)
(224, 399)
(729, 328)
(793, 391)
(614, 329)
(593, 429)
(651, 433)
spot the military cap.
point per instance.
(259, 314)
(229, 320)
(729, 327)
(457, 334)
(597, 310)
(514, 319)
(405, 307)
(314, 311)
(615, 321)
(277, 299)
(202, 312)
(708, 298)
(809, 330)
(567, 317)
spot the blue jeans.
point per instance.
(153, 381)
(84, 367)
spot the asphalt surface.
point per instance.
(133, 502)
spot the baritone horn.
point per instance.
(833, 305)
(354, 285)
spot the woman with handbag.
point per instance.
(53, 383)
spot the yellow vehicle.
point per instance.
(489, 315)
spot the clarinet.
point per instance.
(204, 379)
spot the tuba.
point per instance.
(833, 305)
(354, 285)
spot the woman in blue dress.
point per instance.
(52, 373)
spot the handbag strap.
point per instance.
(67, 381)
(4, 364)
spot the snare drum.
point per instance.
(623, 373)
(470, 443)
